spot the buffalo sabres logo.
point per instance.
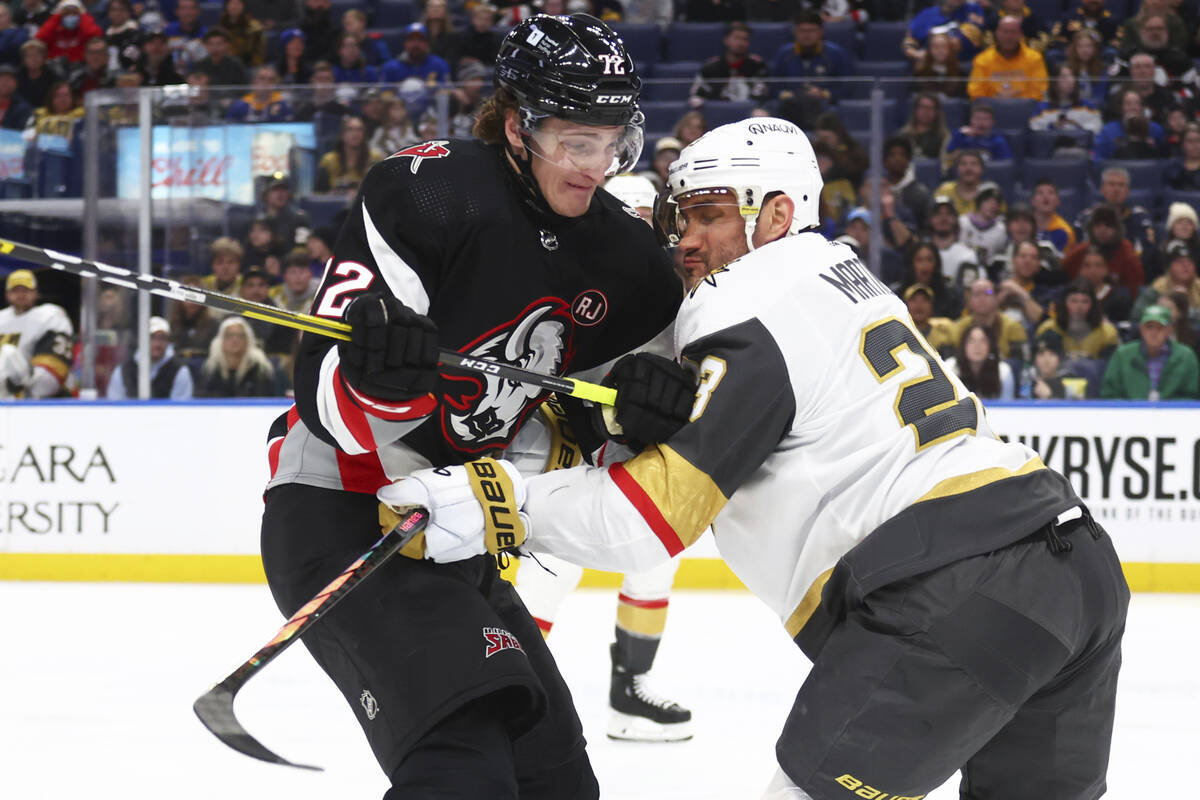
(420, 152)
(483, 412)
(498, 639)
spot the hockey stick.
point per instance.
(334, 329)
(215, 707)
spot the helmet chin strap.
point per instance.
(751, 223)
(526, 177)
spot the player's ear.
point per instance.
(774, 220)
(512, 132)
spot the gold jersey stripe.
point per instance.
(53, 363)
(686, 497)
(961, 484)
(642, 621)
(812, 599)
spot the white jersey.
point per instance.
(988, 242)
(829, 447)
(44, 336)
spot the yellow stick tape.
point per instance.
(694, 573)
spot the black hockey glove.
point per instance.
(393, 351)
(654, 400)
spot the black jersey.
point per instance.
(446, 227)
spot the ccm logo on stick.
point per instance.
(482, 366)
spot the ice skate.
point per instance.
(637, 714)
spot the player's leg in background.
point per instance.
(637, 712)
(543, 584)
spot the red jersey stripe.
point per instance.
(352, 415)
(273, 455)
(361, 473)
(646, 507)
(630, 601)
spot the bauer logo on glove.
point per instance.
(503, 528)
(473, 509)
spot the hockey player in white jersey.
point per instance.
(961, 607)
(35, 341)
(637, 712)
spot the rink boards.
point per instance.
(173, 491)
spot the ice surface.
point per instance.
(97, 683)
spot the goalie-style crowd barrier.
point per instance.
(173, 491)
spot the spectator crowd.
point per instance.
(1040, 159)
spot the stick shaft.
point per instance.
(334, 329)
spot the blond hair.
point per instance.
(226, 246)
(216, 363)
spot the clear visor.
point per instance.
(614, 149)
(673, 213)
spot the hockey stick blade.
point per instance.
(334, 329)
(215, 710)
(215, 707)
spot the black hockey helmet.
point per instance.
(573, 67)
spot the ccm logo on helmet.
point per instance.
(614, 99)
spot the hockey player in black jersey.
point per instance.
(505, 249)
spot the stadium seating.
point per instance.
(644, 43)
(662, 116)
(722, 113)
(1143, 174)
(954, 109)
(322, 208)
(394, 13)
(1192, 198)
(694, 41)
(896, 84)
(1048, 10)
(1070, 204)
(1016, 138)
(883, 41)
(767, 37)
(672, 81)
(210, 14)
(845, 35)
(1067, 174)
(928, 171)
(857, 114)
(1041, 144)
(1003, 173)
(1012, 113)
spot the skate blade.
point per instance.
(629, 728)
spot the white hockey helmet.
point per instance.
(747, 161)
(632, 190)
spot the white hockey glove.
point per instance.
(473, 509)
(15, 372)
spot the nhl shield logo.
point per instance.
(368, 703)
(420, 152)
